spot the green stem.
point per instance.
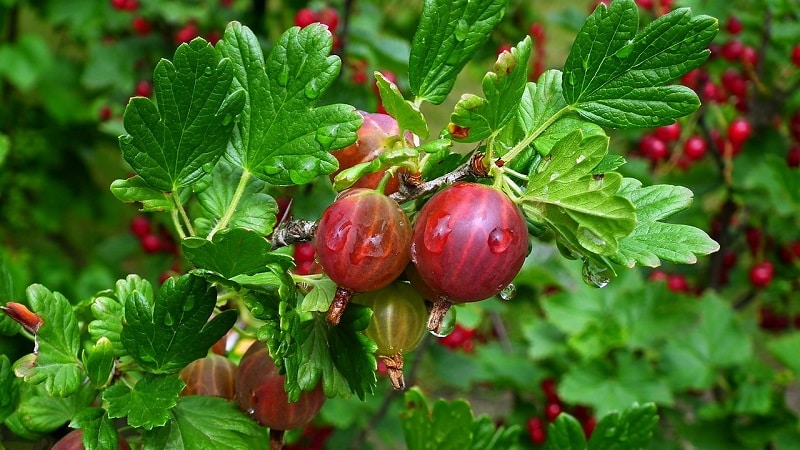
(176, 220)
(523, 144)
(237, 197)
(182, 212)
(381, 187)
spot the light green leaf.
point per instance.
(631, 429)
(784, 348)
(42, 413)
(56, 363)
(479, 118)
(223, 254)
(99, 431)
(165, 337)
(386, 159)
(615, 76)
(565, 433)
(407, 114)
(199, 422)
(146, 404)
(280, 136)
(135, 189)
(255, 211)
(9, 389)
(98, 360)
(180, 140)
(449, 34)
(445, 426)
(320, 297)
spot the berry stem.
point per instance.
(275, 439)
(440, 308)
(473, 168)
(394, 368)
(339, 303)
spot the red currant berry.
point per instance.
(329, 17)
(588, 426)
(537, 31)
(732, 50)
(186, 33)
(548, 386)
(749, 55)
(796, 55)
(131, 5)
(552, 410)
(734, 82)
(537, 430)
(761, 274)
(305, 17)
(144, 88)
(739, 130)
(695, 148)
(772, 321)
(151, 243)
(754, 237)
(213, 37)
(793, 156)
(734, 25)
(713, 93)
(653, 148)
(119, 5)
(140, 226)
(677, 283)
(658, 276)
(141, 26)
(104, 113)
(226, 3)
(669, 133)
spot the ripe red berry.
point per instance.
(186, 33)
(677, 283)
(734, 82)
(796, 55)
(734, 25)
(552, 410)
(658, 276)
(794, 125)
(548, 386)
(754, 237)
(695, 148)
(119, 5)
(144, 88)
(732, 50)
(653, 148)
(537, 430)
(588, 426)
(669, 133)
(739, 130)
(140, 226)
(712, 92)
(151, 243)
(761, 274)
(793, 156)
(305, 17)
(329, 17)
(749, 55)
(141, 26)
(537, 31)
(104, 113)
(74, 441)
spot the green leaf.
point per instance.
(449, 34)
(650, 241)
(180, 140)
(146, 404)
(224, 255)
(167, 336)
(784, 348)
(580, 207)
(631, 429)
(8, 327)
(608, 385)
(319, 298)
(56, 363)
(694, 357)
(609, 163)
(280, 136)
(479, 118)
(255, 211)
(407, 114)
(9, 389)
(135, 189)
(42, 413)
(565, 433)
(5, 144)
(775, 183)
(207, 422)
(99, 431)
(389, 158)
(108, 310)
(488, 436)
(98, 361)
(615, 76)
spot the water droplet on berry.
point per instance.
(594, 276)
(499, 240)
(437, 231)
(448, 324)
(339, 235)
(508, 292)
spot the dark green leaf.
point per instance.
(7, 326)
(565, 433)
(255, 211)
(165, 337)
(631, 429)
(56, 363)
(146, 404)
(198, 422)
(180, 140)
(449, 34)
(615, 77)
(407, 114)
(503, 86)
(280, 136)
(135, 189)
(98, 361)
(99, 431)
(9, 388)
(224, 253)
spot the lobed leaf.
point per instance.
(147, 403)
(40, 412)
(280, 136)
(631, 429)
(99, 431)
(223, 254)
(407, 114)
(565, 433)
(178, 141)
(448, 35)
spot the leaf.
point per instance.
(165, 337)
(319, 298)
(135, 189)
(255, 211)
(615, 77)
(448, 35)
(695, 355)
(478, 118)
(56, 363)
(578, 206)
(631, 429)
(389, 158)
(180, 140)
(109, 311)
(280, 136)
(146, 404)
(650, 241)
(784, 348)
(224, 255)
(39, 412)
(606, 385)
(407, 114)
(98, 361)
(9, 389)
(565, 433)
(99, 431)
(487, 436)
(207, 422)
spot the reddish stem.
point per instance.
(439, 310)
(275, 439)
(339, 303)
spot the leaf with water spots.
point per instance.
(165, 335)
(146, 403)
(177, 139)
(448, 36)
(281, 137)
(617, 76)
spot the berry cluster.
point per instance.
(326, 16)
(156, 239)
(461, 338)
(537, 426)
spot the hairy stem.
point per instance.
(237, 197)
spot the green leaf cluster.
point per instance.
(630, 429)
